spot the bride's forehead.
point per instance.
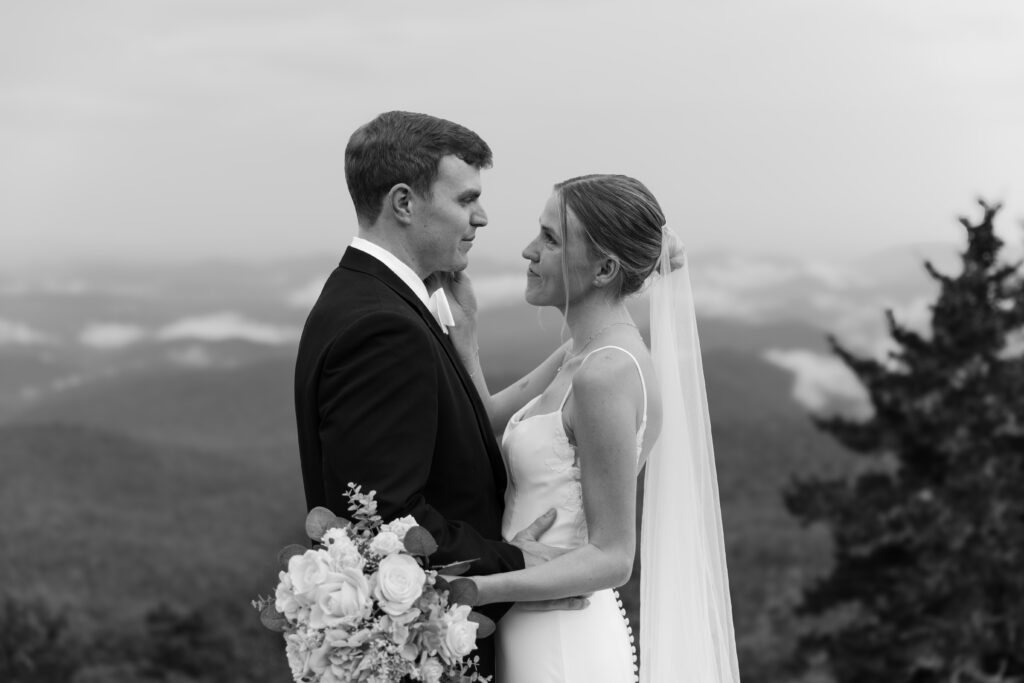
(551, 216)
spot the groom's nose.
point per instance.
(479, 218)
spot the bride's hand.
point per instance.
(459, 290)
(676, 250)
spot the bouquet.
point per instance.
(365, 605)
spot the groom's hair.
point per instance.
(404, 147)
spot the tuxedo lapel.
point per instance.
(360, 261)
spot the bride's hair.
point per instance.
(621, 219)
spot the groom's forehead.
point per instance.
(454, 174)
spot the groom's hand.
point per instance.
(535, 552)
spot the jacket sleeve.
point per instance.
(378, 423)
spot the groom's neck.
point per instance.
(393, 243)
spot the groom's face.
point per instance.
(447, 218)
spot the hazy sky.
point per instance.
(208, 128)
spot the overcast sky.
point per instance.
(142, 130)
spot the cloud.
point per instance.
(823, 383)
(111, 335)
(492, 291)
(14, 333)
(747, 272)
(227, 325)
(721, 301)
(66, 382)
(306, 296)
(862, 327)
(195, 356)
(66, 287)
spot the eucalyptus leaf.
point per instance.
(440, 584)
(486, 626)
(463, 592)
(455, 568)
(273, 620)
(318, 521)
(419, 541)
(288, 552)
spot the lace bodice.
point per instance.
(544, 470)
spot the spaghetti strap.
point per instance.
(643, 384)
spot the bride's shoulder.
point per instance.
(609, 371)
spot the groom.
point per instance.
(381, 396)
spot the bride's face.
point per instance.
(556, 252)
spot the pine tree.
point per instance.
(927, 583)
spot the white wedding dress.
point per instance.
(592, 645)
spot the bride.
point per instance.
(577, 430)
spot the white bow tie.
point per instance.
(438, 306)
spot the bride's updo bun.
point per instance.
(621, 219)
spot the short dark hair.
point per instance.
(404, 147)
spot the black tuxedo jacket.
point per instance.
(382, 400)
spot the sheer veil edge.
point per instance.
(686, 626)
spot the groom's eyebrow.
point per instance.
(469, 195)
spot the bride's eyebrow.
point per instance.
(549, 230)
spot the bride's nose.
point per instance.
(530, 252)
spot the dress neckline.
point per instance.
(518, 417)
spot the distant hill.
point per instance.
(183, 485)
(114, 524)
(212, 408)
(169, 470)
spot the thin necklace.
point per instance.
(590, 339)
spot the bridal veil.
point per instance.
(686, 627)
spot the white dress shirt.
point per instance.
(436, 304)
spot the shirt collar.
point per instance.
(395, 265)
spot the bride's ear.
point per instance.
(607, 273)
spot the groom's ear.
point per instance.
(399, 202)
(606, 273)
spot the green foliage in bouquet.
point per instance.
(928, 576)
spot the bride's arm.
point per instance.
(604, 422)
(502, 405)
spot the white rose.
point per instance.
(286, 601)
(431, 670)
(386, 543)
(399, 526)
(459, 633)
(297, 658)
(344, 595)
(318, 659)
(342, 550)
(308, 571)
(299, 647)
(399, 582)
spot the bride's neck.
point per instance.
(587, 319)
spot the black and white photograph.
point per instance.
(575, 342)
